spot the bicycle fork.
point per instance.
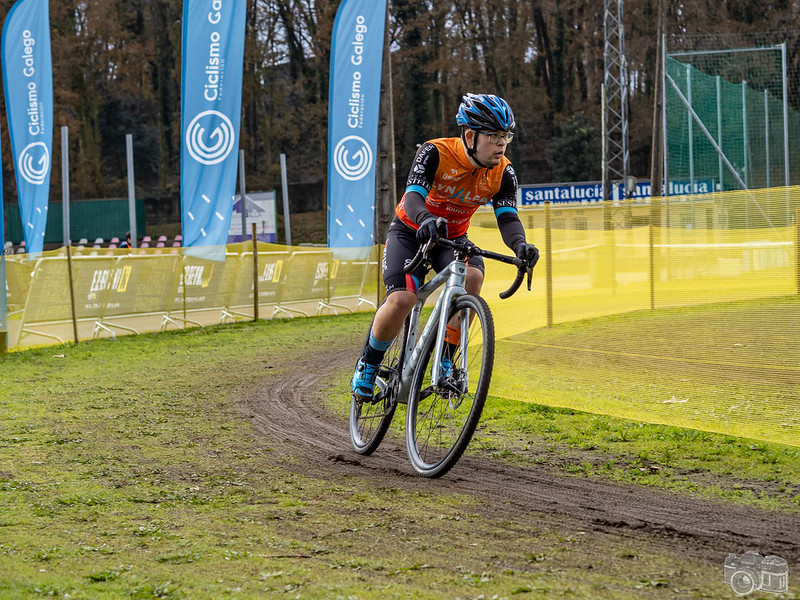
(436, 325)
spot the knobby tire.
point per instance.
(440, 422)
(369, 422)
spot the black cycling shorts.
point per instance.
(401, 248)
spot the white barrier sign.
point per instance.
(261, 211)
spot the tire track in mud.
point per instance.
(289, 412)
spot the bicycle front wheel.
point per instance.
(441, 418)
(369, 421)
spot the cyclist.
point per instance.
(450, 178)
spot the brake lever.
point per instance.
(421, 256)
(530, 277)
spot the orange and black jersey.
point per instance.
(453, 188)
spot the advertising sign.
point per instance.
(213, 53)
(355, 82)
(28, 85)
(592, 191)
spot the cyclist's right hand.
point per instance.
(428, 231)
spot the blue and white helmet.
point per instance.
(485, 112)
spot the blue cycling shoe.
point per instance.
(363, 382)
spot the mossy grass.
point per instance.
(129, 470)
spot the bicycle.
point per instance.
(443, 409)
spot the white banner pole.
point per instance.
(131, 190)
(285, 187)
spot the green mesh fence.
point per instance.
(729, 118)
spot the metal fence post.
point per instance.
(131, 190)
(797, 248)
(65, 184)
(242, 195)
(287, 227)
(548, 261)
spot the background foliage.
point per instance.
(117, 71)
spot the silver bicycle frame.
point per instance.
(455, 274)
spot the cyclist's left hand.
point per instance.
(529, 253)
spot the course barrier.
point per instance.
(131, 291)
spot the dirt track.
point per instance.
(704, 531)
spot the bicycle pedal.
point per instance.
(364, 399)
(386, 372)
(379, 397)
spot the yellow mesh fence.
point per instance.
(699, 294)
(718, 354)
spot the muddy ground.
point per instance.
(624, 540)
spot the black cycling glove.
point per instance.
(528, 253)
(427, 230)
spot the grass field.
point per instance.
(128, 470)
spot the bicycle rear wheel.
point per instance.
(369, 421)
(441, 419)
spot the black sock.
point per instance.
(375, 350)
